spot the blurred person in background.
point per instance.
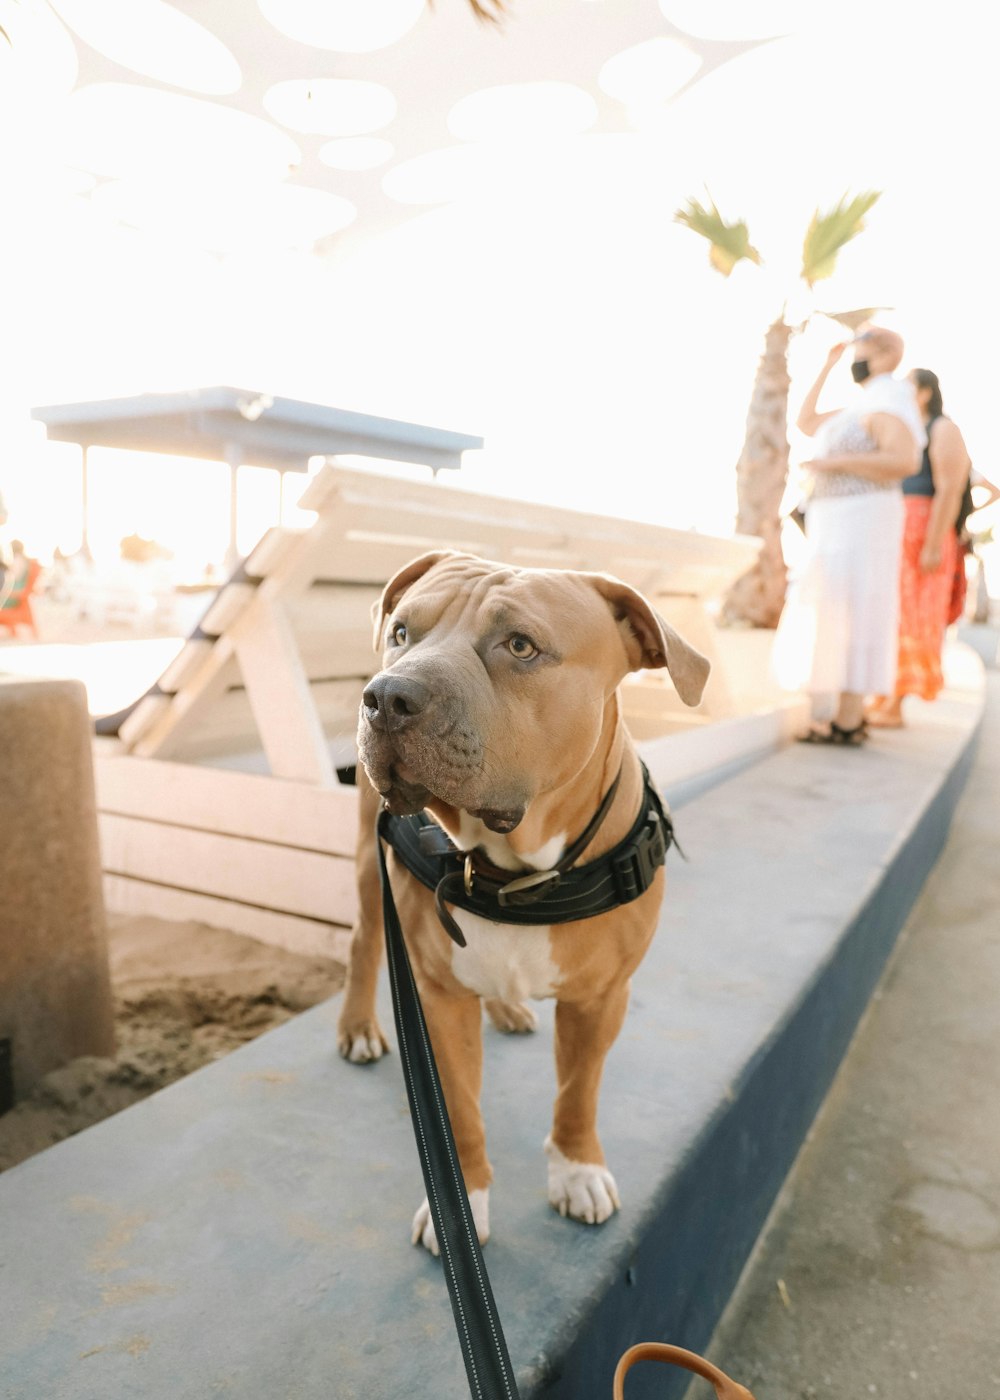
(938, 500)
(15, 592)
(838, 635)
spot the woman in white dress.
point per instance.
(837, 639)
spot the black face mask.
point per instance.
(860, 370)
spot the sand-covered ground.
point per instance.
(185, 994)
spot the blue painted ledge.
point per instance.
(245, 1232)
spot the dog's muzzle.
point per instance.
(391, 703)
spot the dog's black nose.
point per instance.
(391, 702)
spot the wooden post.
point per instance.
(278, 690)
(233, 455)
(55, 989)
(84, 503)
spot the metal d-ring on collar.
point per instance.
(525, 889)
(522, 889)
(563, 894)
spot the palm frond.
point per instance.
(853, 319)
(486, 11)
(730, 242)
(5, 35)
(828, 233)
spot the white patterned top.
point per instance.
(846, 435)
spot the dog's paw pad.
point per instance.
(361, 1044)
(423, 1231)
(512, 1017)
(584, 1190)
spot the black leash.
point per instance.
(484, 1348)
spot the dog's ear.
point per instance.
(400, 582)
(651, 643)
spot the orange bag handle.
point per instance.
(725, 1388)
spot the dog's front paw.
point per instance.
(424, 1233)
(511, 1017)
(584, 1190)
(361, 1041)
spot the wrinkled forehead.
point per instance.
(496, 597)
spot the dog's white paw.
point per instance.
(512, 1017)
(362, 1043)
(424, 1233)
(583, 1190)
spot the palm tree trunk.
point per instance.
(756, 599)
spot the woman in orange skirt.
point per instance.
(933, 498)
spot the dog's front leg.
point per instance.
(455, 1025)
(359, 1035)
(580, 1184)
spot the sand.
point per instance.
(185, 995)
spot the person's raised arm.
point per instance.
(896, 453)
(950, 470)
(810, 419)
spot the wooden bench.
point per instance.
(220, 795)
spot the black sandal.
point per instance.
(843, 738)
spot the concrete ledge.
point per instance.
(245, 1231)
(983, 638)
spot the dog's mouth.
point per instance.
(406, 788)
(403, 796)
(499, 819)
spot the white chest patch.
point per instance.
(509, 961)
(472, 832)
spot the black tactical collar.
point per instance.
(557, 896)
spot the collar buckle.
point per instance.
(635, 869)
(528, 889)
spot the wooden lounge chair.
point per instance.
(221, 789)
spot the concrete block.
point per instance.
(55, 989)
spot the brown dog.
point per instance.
(497, 712)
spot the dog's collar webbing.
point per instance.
(480, 1335)
(557, 896)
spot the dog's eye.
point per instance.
(522, 647)
(399, 634)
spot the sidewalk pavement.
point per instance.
(879, 1273)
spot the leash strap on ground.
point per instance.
(484, 1348)
(725, 1388)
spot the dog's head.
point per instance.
(496, 680)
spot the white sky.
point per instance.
(555, 310)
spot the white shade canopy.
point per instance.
(163, 99)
